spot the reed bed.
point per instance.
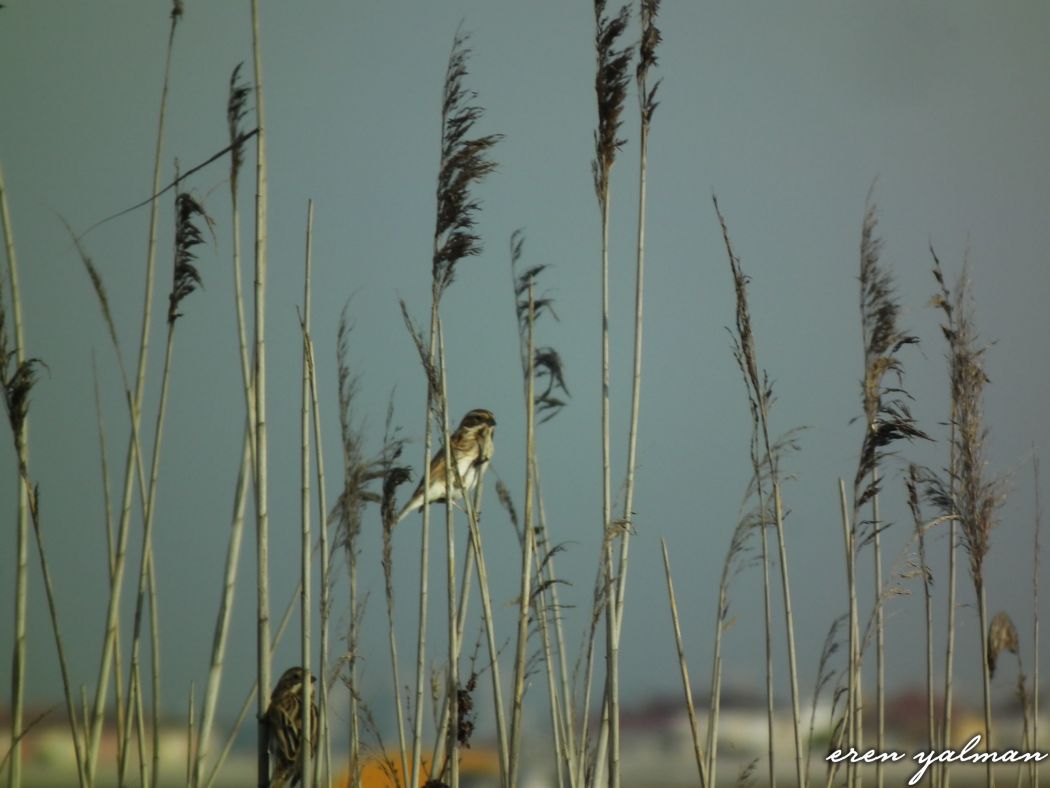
(428, 706)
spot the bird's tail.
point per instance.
(407, 509)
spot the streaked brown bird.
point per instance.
(284, 719)
(472, 447)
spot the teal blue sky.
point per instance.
(788, 111)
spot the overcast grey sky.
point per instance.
(788, 112)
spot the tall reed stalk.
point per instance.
(528, 540)
(17, 377)
(357, 473)
(760, 393)
(611, 91)
(235, 112)
(185, 280)
(18, 658)
(943, 300)
(262, 514)
(118, 665)
(968, 493)
(133, 455)
(543, 362)
(464, 162)
(887, 419)
(323, 766)
(647, 103)
(306, 545)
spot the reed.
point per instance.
(701, 768)
(235, 113)
(262, 513)
(18, 660)
(647, 104)
(912, 485)
(464, 162)
(544, 365)
(323, 767)
(760, 395)
(306, 725)
(134, 458)
(610, 84)
(359, 472)
(887, 420)
(17, 378)
(969, 493)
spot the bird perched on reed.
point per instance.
(472, 448)
(284, 719)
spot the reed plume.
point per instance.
(887, 419)
(765, 464)
(966, 492)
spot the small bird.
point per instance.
(472, 448)
(284, 719)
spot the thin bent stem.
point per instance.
(18, 661)
(146, 560)
(322, 509)
(222, 621)
(768, 627)
(694, 729)
(49, 592)
(118, 668)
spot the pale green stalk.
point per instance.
(262, 512)
(222, 622)
(684, 670)
(28, 494)
(527, 545)
(18, 660)
(452, 477)
(424, 568)
(189, 736)
(244, 477)
(305, 554)
(118, 669)
(322, 518)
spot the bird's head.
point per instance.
(291, 681)
(478, 418)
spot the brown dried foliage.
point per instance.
(464, 162)
(610, 85)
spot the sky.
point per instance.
(790, 113)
